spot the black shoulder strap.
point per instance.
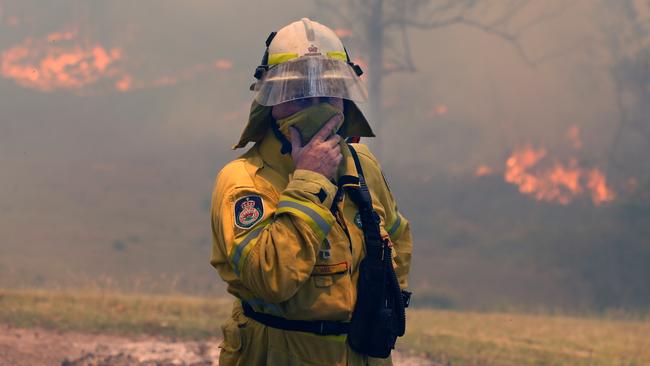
(369, 218)
(365, 193)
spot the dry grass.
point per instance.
(466, 338)
(451, 337)
(175, 316)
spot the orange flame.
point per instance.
(343, 32)
(6, 19)
(483, 170)
(438, 110)
(62, 60)
(600, 193)
(390, 66)
(124, 84)
(441, 110)
(223, 64)
(573, 135)
(47, 64)
(559, 184)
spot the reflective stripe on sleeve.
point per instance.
(316, 217)
(395, 229)
(244, 246)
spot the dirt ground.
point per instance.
(39, 347)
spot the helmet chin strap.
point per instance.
(286, 144)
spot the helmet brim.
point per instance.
(309, 77)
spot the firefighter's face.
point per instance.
(286, 109)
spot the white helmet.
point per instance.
(306, 59)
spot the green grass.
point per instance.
(452, 337)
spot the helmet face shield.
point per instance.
(309, 77)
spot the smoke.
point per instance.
(117, 116)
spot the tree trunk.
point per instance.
(375, 68)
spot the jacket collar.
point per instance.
(269, 148)
(347, 173)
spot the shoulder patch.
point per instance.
(249, 210)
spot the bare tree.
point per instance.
(626, 30)
(379, 29)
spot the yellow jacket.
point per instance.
(281, 249)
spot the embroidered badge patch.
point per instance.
(357, 220)
(248, 211)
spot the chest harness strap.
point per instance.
(319, 327)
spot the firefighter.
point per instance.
(287, 239)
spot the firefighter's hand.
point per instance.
(323, 152)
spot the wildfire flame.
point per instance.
(559, 184)
(600, 193)
(58, 62)
(483, 170)
(573, 135)
(187, 74)
(223, 64)
(343, 32)
(438, 110)
(63, 60)
(124, 84)
(8, 20)
(441, 110)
